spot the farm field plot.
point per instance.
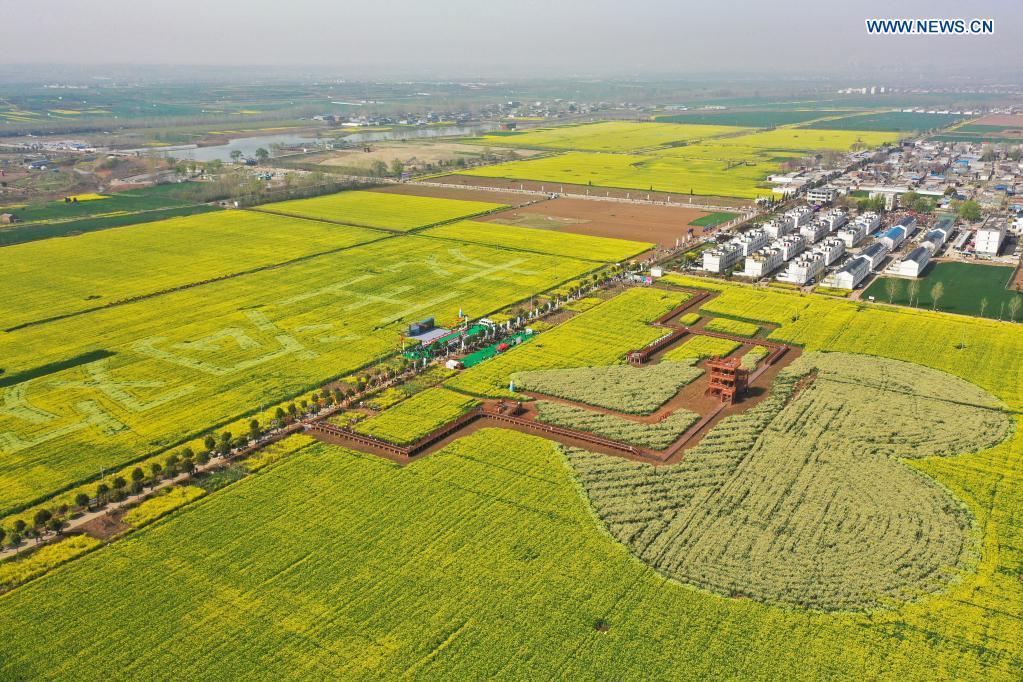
(56, 277)
(785, 142)
(657, 435)
(377, 209)
(623, 388)
(113, 385)
(700, 347)
(664, 171)
(413, 155)
(748, 119)
(543, 241)
(434, 191)
(411, 419)
(640, 222)
(893, 121)
(965, 286)
(726, 326)
(610, 136)
(129, 201)
(816, 509)
(600, 336)
(498, 510)
(21, 233)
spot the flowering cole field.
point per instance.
(726, 166)
(658, 435)
(410, 420)
(400, 212)
(26, 566)
(305, 572)
(752, 357)
(53, 277)
(726, 326)
(803, 500)
(638, 390)
(600, 336)
(162, 504)
(610, 136)
(701, 347)
(603, 249)
(182, 363)
(644, 173)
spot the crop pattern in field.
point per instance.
(622, 388)
(54, 277)
(802, 500)
(172, 366)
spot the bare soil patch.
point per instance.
(1008, 120)
(106, 526)
(640, 222)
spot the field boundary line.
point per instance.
(192, 285)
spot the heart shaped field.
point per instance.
(807, 499)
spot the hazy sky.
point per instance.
(509, 37)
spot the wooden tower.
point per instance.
(728, 380)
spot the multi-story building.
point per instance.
(776, 229)
(831, 248)
(893, 237)
(814, 232)
(849, 275)
(852, 234)
(834, 219)
(875, 254)
(751, 241)
(821, 195)
(797, 217)
(722, 258)
(914, 263)
(990, 236)
(870, 221)
(763, 262)
(790, 246)
(803, 269)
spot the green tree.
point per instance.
(254, 429)
(262, 155)
(82, 500)
(137, 474)
(155, 470)
(210, 442)
(913, 290)
(120, 483)
(55, 525)
(19, 526)
(969, 211)
(203, 458)
(41, 517)
(236, 155)
(397, 168)
(937, 291)
(3, 534)
(102, 490)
